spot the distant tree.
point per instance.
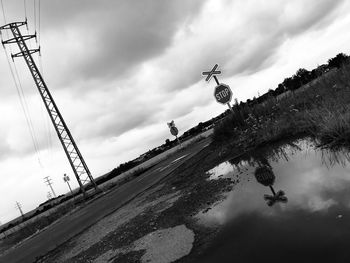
(338, 60)
(280, 89)
(303, 76)
(200, 126)
(167, 142)
(291, 83)
(313, 74)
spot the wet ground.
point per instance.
(156, 226)
(290, 204)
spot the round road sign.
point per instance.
(174, 131)
(223, 93)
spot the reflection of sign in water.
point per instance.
(266, 177)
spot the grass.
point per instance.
(321, 110)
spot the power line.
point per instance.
(3, 11)
(75, 158)
(23, 103)
(27, 115)
(21, 95)
(25, 9)
(34, 15)
(39, 36)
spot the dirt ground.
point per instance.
(157, 226)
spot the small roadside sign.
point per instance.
(174, 131)
(66, 178)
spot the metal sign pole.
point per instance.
(230, 107)
(216, 80)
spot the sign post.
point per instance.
(222, 92)
(174, 131)
(67, 179)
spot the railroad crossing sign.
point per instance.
(211, 73)
(223, 93)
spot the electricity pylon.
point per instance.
(76, 160)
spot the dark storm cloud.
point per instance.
(117, 35)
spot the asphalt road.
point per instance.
(71, 225)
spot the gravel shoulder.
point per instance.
(157, 226)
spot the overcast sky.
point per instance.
(120, 70)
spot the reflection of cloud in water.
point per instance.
(316, 203)
(222, 169)
(310, 185)
(226, 169)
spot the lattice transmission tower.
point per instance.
(75, 158)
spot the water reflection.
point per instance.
(330, 157)
(282, 152)
(265, 176)
(313, 226)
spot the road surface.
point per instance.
(73, 224)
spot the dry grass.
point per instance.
(321, 110)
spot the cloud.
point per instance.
(247, 42)
(110, 39)
(130, 64)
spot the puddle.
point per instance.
(227, 170)
(293, 200)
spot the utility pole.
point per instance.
(49, 196)
(75, 158)
(19, 207)
(48, 182)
